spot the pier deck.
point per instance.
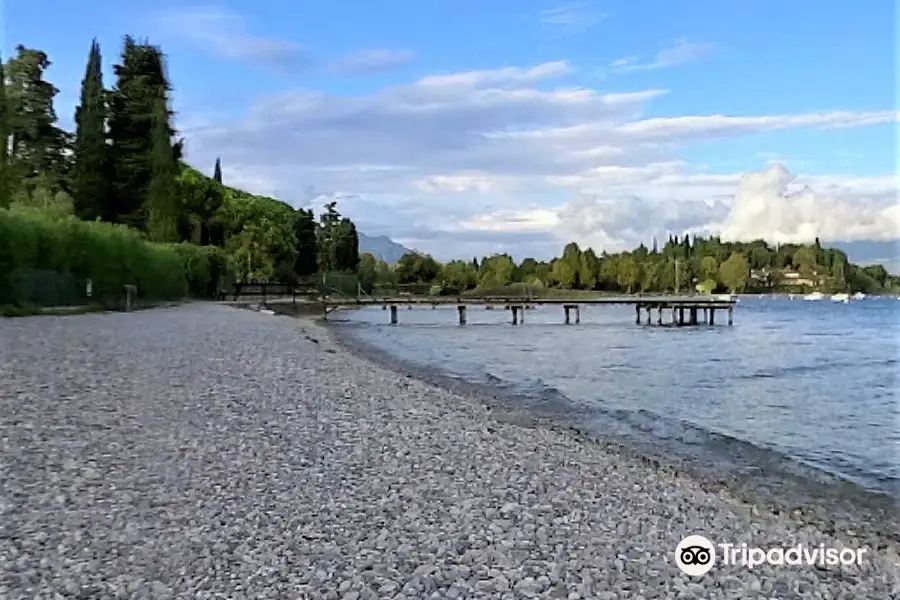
(685, 310)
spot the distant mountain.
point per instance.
(382, 247)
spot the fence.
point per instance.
(44, 287)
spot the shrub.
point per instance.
(36, 248)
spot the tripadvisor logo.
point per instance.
(695, 555)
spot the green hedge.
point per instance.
(46, 260)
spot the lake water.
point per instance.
(812, 383)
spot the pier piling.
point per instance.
(685, 310)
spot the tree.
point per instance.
(628, 272)
(367, 274)
(563, 274)
(346, 246)
(459, 275)
(90, 169)
(497, 270)
(572, 257)
(733, 272)
(161, 207)
(709, 268)
(327, 236)
(804, 260)
(217, 172)
(306, 263)
(414, 267)
(36, 145)
(608, 278)
(526, 270)
(133, 104)
(650, 274)
(589, 270)
(6, 183)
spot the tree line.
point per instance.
(686, 264)
(122, 165)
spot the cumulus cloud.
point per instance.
(765, 207)
(465, 154)
(681, 52)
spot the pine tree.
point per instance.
(37, 146)
(161, 207)
(140, 83)
(90, 171)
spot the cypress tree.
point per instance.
(140, 84)
(217, 172)
(305, 243)
(161, 207)
(90, 179)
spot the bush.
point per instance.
(35, 246)
(340, 284)
(206, 268)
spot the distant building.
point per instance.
(763, 277)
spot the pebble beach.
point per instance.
(204, 451)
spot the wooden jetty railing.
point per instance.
(685, 310)
(270, 289)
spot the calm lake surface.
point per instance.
(813, 384)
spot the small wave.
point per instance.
(721, 450)
(825, 366)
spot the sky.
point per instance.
(464, 128)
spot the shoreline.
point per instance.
(837, 506)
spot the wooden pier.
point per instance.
(684, 311)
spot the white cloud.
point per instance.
(451, 159)
(371, 60)
(570, 18)
(681, 52)
(765, 207)
(224, 33)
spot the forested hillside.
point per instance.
(69, 199)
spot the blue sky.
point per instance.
(603, 122)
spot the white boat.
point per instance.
(858, 296)
(814, 296)
(841, 298)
